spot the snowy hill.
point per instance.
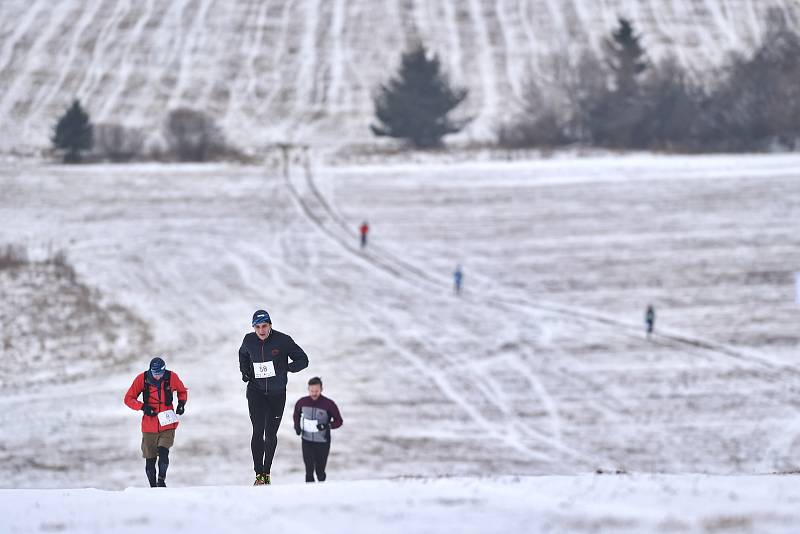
(642, 503)
(304, 70)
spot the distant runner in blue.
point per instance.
(650, 319)
(458, 278)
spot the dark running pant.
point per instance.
(266, 412)
(163, 464)
(315, 456)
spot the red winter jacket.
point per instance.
(155, 398)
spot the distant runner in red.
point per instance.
(156, 385)
(364, 230)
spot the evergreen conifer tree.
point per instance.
(73, 133)
(625, 57)
(616, 115)
(416, 103)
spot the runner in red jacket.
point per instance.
(363, 230)
(157, 387)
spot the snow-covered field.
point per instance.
(541, 367)
(641, 503)
(305, 70)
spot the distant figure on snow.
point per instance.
(364, 230)
(156, 385)
(314, 418)
(458, 278)
(650, 319)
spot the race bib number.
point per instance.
(264, 369)
(310, 425)
(167, 418)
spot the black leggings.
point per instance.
(266, 412)
(163, 464)
(315, 456)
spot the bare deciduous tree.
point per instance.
(192, 135)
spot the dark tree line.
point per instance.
(189, 135)
(620, 99)
(623, 100)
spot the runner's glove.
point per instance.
(180, 409)
(323, 426)
(245, 377)
(149, 410)
(297, 429)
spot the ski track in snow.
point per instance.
(322, 62)
(396, 266)
(334, 89)
(111, 98)
(189, 42)
(508, 436)
(612, 412)
(21, 28)
(105, 44)
(308, 62)
(48, 92)
(488, 75)
(453, 58)
(33, 61)
(552, 378)
(506, 28)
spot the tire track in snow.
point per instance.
(678, 52)
(43, 96)
(134, 36)
(377, 262)
(495, 390)
(359, 88)
(486, 67)
(21, 29)
(437, 377)
(704, 43)
(336, 58)
(679, 340)
(308, 53)
(454, 55)
(34, 60)
(509, 48)
(722, 24)
(105, 43)
(186, 55)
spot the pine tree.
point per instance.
(415, 104)
(73, 133)
(616, 115)
(625, 57)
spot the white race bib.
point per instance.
(167, 418)
(310, 425)
(264, 369)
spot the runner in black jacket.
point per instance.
(265, 358)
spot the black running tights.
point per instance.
(266, 412)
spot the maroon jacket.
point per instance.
(323, 410)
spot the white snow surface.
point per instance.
(305, 71)
(540, 370)
(641, 503)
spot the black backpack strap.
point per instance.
(167, 387)
(146, 390)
